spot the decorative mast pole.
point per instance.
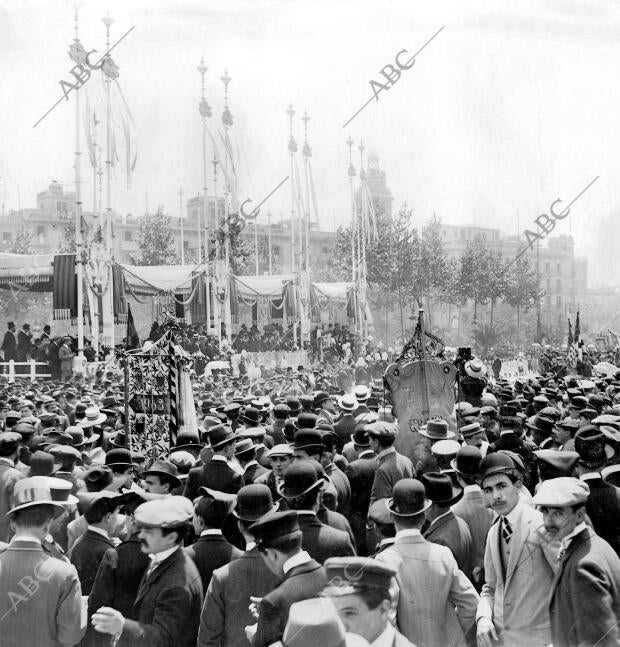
(361, 245)
(79, 269)
(307, 153)
(216, 305)
(205, 111)
(292, 149)
(227, 120)
(181, 225)
(351, 173)
(110, 72)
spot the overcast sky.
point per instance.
(512, 105)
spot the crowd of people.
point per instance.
(290, 516)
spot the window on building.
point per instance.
(128, 235)
(462, 233)
(6, 237)
(547, 267)
(559, 301)
(559, 268)
(275, 250)
(40, 230)
(548, 300)
(558, 285)
(548, 285)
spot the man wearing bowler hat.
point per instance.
(40, 596)
(444, 527)
(9, 476)
(216, 473)
(169, 599)
(436, 602)
(584, 606)
(518, 575)
(278, 539)
(361, 475)
(360, 591)
(301, 489)
(226, 610)
(391, 466)
(471, 507)
(603, 504)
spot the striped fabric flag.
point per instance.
(173, 389)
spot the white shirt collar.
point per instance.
(250, 546)
(387, 540)
(514, 515)
(409, 532)
(576, 530)
(386, 451)
(7, 461)
(210, 531)
(471, 488)
(385, 638)
(100, 531)
(365, 453)
(252, 462)
(588, 476)
(26, 538)
(219, 457)
(300, 558)
(158, 558)
(439, 517)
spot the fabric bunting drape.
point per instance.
(64, 287)
(119, 295)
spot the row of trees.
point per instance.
(408, 266)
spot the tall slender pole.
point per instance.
(351, 174)
(110, 72)
(292, 149)
(181, 225)
(269, 241)
(362, 237)
(307, 153)
(256, 247)
(216, 315)
(205, 111)
(227, 120)
(78, 218)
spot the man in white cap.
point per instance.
(584, 606)
(169, 598)
(40, 596)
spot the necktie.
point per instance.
(506, 530)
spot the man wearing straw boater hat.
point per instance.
(446, 615)
(40, 596)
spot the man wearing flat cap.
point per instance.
(584, 605)
(169, 599)
(226, 610)
(360, 591)
(278, 538)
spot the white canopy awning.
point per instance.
(265, 286)
(336, 290)
(26, 268)
(159, 278)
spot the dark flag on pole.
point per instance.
(570, 334)
(133, 341)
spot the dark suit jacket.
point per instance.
(452, 531)
(9, 346)
(118, 579)
(335, 520)
(167, 606)
(322, 541)
(361, 474)
(86, 555)
(214, 474)
(603, 508)
(226, 613)
(584, 605)
(253, 472)
(343, 489)
(301, 583)
(344, 428)
(211, 552)
(391, 467)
